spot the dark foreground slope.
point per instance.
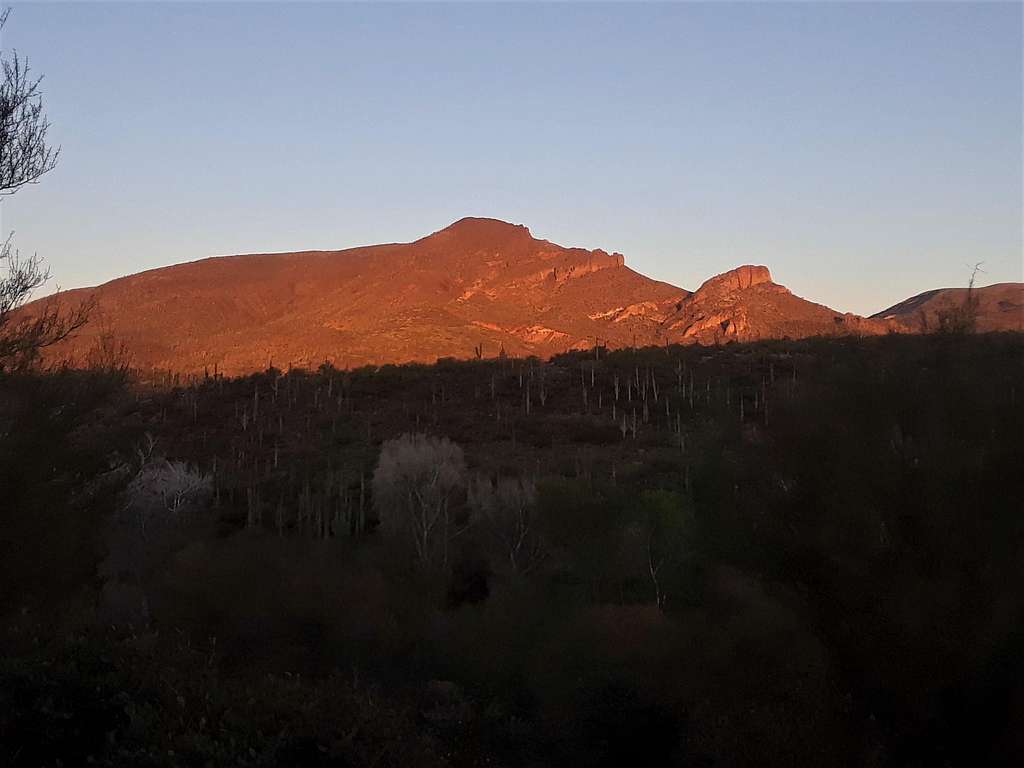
(832, 530)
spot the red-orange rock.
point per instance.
(476, 282)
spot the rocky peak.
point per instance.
(472, 230)
(734, 280)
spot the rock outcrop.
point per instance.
(744, 304)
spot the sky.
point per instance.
(864, 152)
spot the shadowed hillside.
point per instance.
(791, 553)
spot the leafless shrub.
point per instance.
(160, 509)
(165, 492)
(109, 356)
(961, 318)
(23, 336)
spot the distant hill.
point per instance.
(477, 286)
(1000, 308)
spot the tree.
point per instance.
(413, 485)
(25, 156)
(507, 509)
(661, 530)
(963, 318)
(109, 356)
(166, 492)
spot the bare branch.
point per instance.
(25, 156)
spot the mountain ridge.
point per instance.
(478, 286)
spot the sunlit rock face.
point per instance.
(744, 304)
(478, 284)
(737, 279)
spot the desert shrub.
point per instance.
(60, 434)
(309, 605)
(159, 513)
(109, 356)
(616, 725)
(165, 492)
(589, 431)
(657, 540)
(958, 318)
(113, 701)
(839, 568)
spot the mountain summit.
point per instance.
(483, 232)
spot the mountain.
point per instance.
(476, 282)
(1000, 308)
(745, 305)
(479, 285)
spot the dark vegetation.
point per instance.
(786, 553)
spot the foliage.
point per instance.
(833, 528)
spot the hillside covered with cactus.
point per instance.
(698, 552)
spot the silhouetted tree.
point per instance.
(962, 318)
(25, 156)
(662, 530)
(109, 356)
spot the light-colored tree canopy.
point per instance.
(413, 485)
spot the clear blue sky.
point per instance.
(865, 152)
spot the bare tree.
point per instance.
(109, 355)
(660, 536)
(413, 485)
(25, 156)
(962, 318)
(24, 335)
(164, 492)
(507, 511)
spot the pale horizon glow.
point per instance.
(864, 152)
